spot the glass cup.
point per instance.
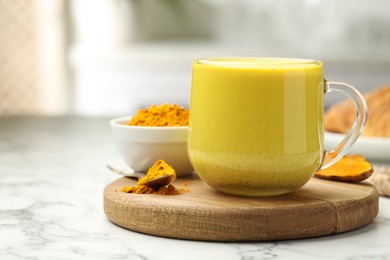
(256, 124)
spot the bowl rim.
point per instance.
(121, 133)
(119, 122)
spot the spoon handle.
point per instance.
(134, 175)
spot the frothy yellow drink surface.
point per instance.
(256, 124)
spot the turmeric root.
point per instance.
(354, 168)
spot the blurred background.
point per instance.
(110, 57)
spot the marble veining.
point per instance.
(52, 175)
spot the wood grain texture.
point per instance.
(320, 208)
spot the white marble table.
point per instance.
(52, 175)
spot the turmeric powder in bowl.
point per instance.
(157, 132)
(162, 115)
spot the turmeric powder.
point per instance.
(354, 168)
(169, 190)
(165, 190)
(162, 115)
(159, 169)
(139, 189)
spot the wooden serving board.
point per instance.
(319, 208)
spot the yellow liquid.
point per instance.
(256, 124)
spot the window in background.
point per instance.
(32, 58)
(127, 54)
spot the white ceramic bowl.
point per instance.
(141, 146)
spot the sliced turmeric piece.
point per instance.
(354, 168)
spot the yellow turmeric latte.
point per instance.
(162, 115)
(256, 124)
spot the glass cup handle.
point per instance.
(357, 127)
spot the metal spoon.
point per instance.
(153, 183)
(132, 175)
(156, 183)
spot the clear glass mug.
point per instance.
(256, 124)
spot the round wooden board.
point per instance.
(319, 208)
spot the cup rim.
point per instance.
(258, 62)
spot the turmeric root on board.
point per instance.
(354, 168)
